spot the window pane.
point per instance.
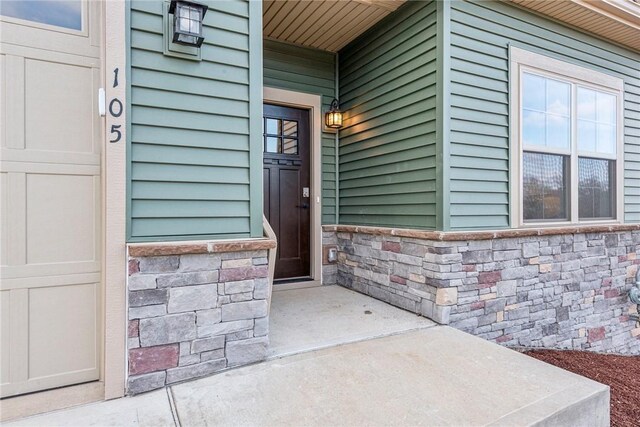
(586, 135)
(290, 146)
(272, 144)
(272, 126)
(558, 95)
(606, 112)
(558, 134)
(533, 132)
(544, 187)
(546, 106)
(596, 121)
(533, 92)
(595, 188)
(61, 13)
(290, 128)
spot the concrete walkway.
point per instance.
(414, 374)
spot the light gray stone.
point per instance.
(244, 310)
(189, 359)
(224, 328)
(238, 287)
(261, 288)
(207, 344)
(138, 282)
(261, 327)
(212, 355)
(141, 383)
(147, 311)
(187, 279)
(246, 351)
(190, 298)
(158, 264)
(208, 317)
(147, 297)
(507, 288)
(172, 328)
(194, 371)
(199, 262)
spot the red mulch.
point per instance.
(621, 373)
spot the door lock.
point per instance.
(305, 192)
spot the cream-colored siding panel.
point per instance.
(53, 312)
(61, 208)
(326, 25)
(58, 107)
(4, 221)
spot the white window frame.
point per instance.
(522, 60)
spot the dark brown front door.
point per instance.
(287, 187)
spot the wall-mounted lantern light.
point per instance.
(187, 22)
(333, 117)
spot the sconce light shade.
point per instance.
(333, 117)
(187, 22)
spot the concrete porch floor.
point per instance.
(393, 368)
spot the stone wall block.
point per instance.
(237, 263)
(244, 310)
(199, 262)
(261, 288)
(139, 282)
(208, 317)
(224, 328)
(212, 355)
(172, 328)
(207, 344)
(147, 297)
(187, 279)
(147, 311)
(141, 383)
(244, 273)
(246, 351)
(190, 298)
(150, 359)
(238, 287)
(447, 296)
(158, 264)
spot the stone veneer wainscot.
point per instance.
(554, 288)
(195, 309)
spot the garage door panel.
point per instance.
(4, 219)
(5, 338)
(58, 107)
(61, 209)
(61, 319)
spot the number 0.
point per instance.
(115, 101)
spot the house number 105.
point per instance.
(115, 109)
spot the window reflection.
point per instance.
(545, 187)
(596, 121)
(61, 13)
(595, 196)
(545, 112)
(281, 136)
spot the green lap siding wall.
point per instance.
(195, 127)
(481, 33)
(387, 153)
(310, 71)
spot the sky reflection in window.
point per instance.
(61, 13)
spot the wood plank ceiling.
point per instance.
(328, 25)
(617, 20)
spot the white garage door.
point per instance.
(50, 221)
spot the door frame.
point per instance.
(312, 103)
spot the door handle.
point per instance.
(303, 206)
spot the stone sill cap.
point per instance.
(481, 235)
(198, 247)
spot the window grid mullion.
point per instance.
(573, 187)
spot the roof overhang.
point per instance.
(615, 20)
(328, 24)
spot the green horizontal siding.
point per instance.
(312, 71)
(481, 33)
(387, 146)
(190, 154)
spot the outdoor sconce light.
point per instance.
(187, 22)
(333, 117)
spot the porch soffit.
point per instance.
(616, 20)
(323, 24)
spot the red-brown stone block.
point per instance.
(134, 266)
(133, 330)
(150, 359)
(391, 246)
(489, 277)
(243, 273)
(398, 279)
(596, 334)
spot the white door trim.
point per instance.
(313, 103)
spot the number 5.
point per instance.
(114, 129)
